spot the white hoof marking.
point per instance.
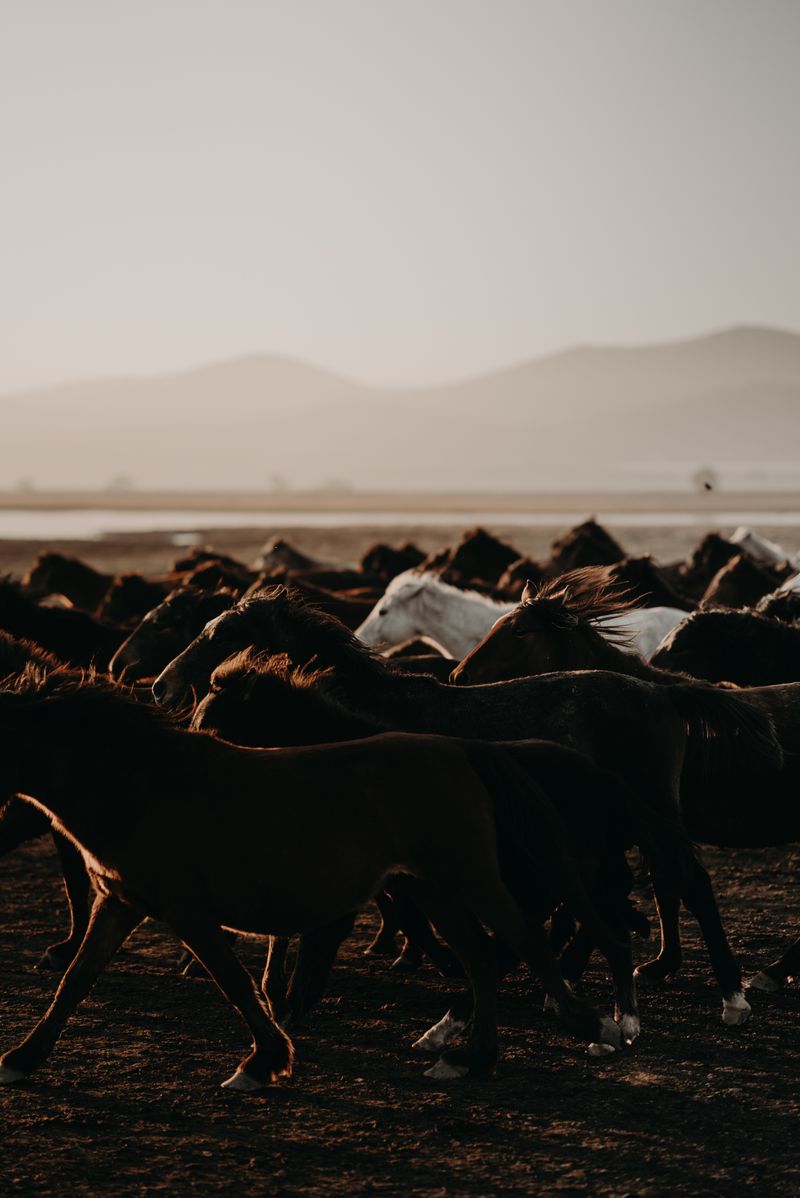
(630, 1026)
(764, 983)
(440, 1034)
(735, 1010)
(243, 1082)
(601, 1050)
(8, 1075)
(443, 1071)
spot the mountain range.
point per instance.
(588, 417)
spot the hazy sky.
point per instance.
(402, 190)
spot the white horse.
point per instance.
(416, 605)
(767, 552)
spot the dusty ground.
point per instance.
(130, 1103)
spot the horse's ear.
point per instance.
(529, 592)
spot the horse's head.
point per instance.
(165, 630)
(399, 614)
(45, 575)
(552, 628)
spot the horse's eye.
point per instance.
(519, 630)
(383, 611)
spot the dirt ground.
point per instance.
(130, 1102)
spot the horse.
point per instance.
(416, 605)
(741, 582)
(384, 562)
(780, 604)
(165, 630)
(478, 557)
(59, 574)
(693, 575)
(263, 701)
(636, 729)
(553, 629)
(743, 647)
(205, 835)
(588, 544)
(73, 636)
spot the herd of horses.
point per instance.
(498, 751)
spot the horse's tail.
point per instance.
(723, 719)
(532, 840)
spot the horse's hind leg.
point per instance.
(79, 900)
(110, 924)
(668, 904)
(772, 978)
(273, 982)
(272, 1053)
(315, 957)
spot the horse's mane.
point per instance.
(17, 652)
(276, 676)
(324, 637)
(583, 596)
(89, 698)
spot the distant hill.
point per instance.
(588, 417)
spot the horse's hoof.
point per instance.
(601, 1050)
(630, 1026)
(736, 1010)
(764, 983)
(243, 1082)
(443, 1071)
(610, 1033)
(440, 1034)
(654, 973)
(9, 1076)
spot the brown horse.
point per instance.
(205, 835)
(553, 629)
(636, 729)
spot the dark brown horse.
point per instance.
(744, 647)
(166, 630)
(58, 574)
(205, 835)
(636, 729)
(741, 582)
(722, 803)
(73, 636)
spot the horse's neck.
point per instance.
(458, 619)
(608, 656)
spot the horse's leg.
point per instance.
(273, 982)
(315, 957)
(384, 943)
(491, 902)
(110, 924)
(478, 955)
(79, 893)
(272, 1053)
(562, 929)
(419, 935)
(698, 897)
(772, 978)
(668, 905)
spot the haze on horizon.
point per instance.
(403, 193)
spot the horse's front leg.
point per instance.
(79, 900)
(110, 924)
(273, 1053)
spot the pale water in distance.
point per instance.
(78, 524)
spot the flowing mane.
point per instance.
(583, 596)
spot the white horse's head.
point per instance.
(398, 615)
